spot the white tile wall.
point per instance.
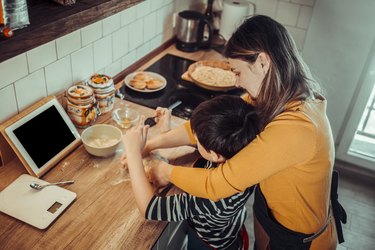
(41, 56)
(91, 33)
(8, 102)
(287, 13)
(69, 43)
(13, 69)
(114, 68)
(111, 24)
(298, 35)
(82, 63)
(30, 89)
(149, 26)
(156, 41)
(128, 16)
(135, 34)
(58, 75)
(266, 7)
(112, 44)
(304, 17)
(128, 59)
(142, 50)
(143, 9)
(164, 18)
(304, 2)
(120, 40)
(156, 4)
(102, 53)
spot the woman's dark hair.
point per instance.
(288, 78)
(225, 124)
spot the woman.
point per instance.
(291, 159)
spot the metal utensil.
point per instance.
(38, 186)
(119, 94)
(151, 120)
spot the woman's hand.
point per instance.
(160, 173)
(163, 119)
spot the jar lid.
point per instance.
(79, 92)
(100, 81)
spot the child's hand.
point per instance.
(163, 118)
(124, 160)
(135, 138)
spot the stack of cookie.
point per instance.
(142, 80)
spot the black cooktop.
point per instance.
(172, 67)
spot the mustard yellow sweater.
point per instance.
(291, 159)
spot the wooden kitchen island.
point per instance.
(104, 214)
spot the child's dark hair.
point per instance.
(225, 124)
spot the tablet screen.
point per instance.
(44, 136)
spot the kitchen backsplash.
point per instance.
(112, 44)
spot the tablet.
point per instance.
(43, 137)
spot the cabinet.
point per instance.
(50, 20)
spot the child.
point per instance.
(221, 126)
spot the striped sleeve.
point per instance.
(178, 207)
(169, 208)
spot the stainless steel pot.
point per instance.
(193, 31)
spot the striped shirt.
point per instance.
(217, 223)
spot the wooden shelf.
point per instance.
(49, 20)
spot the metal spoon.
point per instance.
(38, 186)
(151, 120)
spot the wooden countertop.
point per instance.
(104, 214)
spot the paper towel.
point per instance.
(234, 12)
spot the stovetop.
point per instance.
(172, 67)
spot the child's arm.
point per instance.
(134, 141)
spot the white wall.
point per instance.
(110, 45)
(337, 45)
(107, 46)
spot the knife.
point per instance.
(151, 120)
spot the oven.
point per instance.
(191, 95)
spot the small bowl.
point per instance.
(125, 117)
(101, 140)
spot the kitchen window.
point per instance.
(357, 144)
(363, 143)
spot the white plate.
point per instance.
(152, 74)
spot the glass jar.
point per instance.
(82, 107)
(104, 91)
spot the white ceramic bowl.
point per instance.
(101, 140)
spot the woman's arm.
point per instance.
(176, 137)
(179, 136)
(284, 143)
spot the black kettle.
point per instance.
(193, 31)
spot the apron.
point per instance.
(270, 234)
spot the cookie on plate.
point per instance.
(138, 84)
(154, 84)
